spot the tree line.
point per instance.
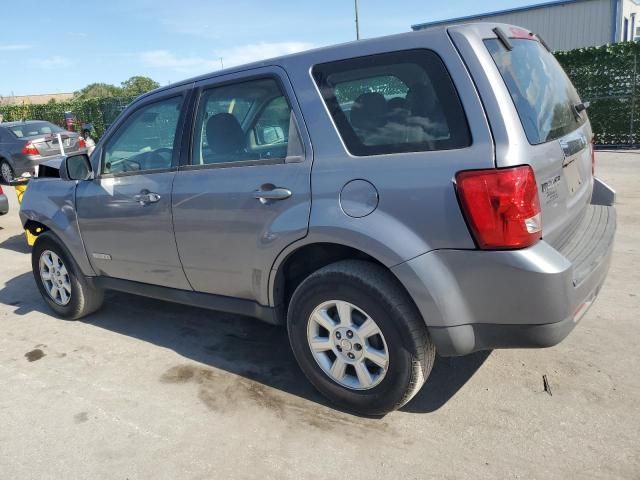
(134, 86)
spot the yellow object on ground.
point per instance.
(20, 189)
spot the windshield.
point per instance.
(543, 94)
(35, 129)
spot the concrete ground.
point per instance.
(146, 389)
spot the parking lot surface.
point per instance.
(147, 389)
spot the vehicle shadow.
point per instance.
(239, 345)
(17, 243)
(21, 292)
(448, 376)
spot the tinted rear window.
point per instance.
(541, 91)
(394, 102)
(35, 129)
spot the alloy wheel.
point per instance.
(55, 277)
(348, 345)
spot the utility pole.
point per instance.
(221, 64)
(357, 22)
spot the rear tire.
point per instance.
(61, 283)
(6, 172)
(362, 291)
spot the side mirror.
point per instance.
(76, 167)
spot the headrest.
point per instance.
(368, 111)
(224, 134)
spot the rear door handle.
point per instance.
(145, 197)
(274, 194)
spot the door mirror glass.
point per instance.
(78, 167)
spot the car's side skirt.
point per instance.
(195, 299)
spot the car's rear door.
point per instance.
(245, 193)
(125, 212)
(537, 118)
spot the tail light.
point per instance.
(1, 192)
(81, 143)
(593, 160)
(501, 206)
(30, 149)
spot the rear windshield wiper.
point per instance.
(503, 38)
(582, 106)
(578, 108)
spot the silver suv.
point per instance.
(385, 200)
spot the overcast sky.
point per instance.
(54, 48)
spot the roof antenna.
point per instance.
(357, 22)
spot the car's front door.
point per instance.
(125, 212)
(245, 195)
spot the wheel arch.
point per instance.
(39, 226)
(35, 228)
(301, 260)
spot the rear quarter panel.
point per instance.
(417, 208)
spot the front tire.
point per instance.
(61, 283)
(358, 337)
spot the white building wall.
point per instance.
(628, 21)
(581, 24)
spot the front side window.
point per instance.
(247, 121)
(542, 93)
(146, 140)
(272, 125)
(393, 103)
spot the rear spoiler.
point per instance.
(518, 33)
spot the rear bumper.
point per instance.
(26, 164)
(29, 163)
(479, 300)
(4, 204)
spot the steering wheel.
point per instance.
(161, 156)
(129, 165)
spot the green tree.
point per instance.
(138, 85)
(98, 90)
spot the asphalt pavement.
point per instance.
(145, 389)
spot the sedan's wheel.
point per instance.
(55, 277)
(6, 172)
(61, 283)
(348, 345)
(359, 338)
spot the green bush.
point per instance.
(100, 112)
(607, 76)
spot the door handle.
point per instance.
(274, 194)
(145, 197)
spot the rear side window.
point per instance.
(393, 102)
(542, 93)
